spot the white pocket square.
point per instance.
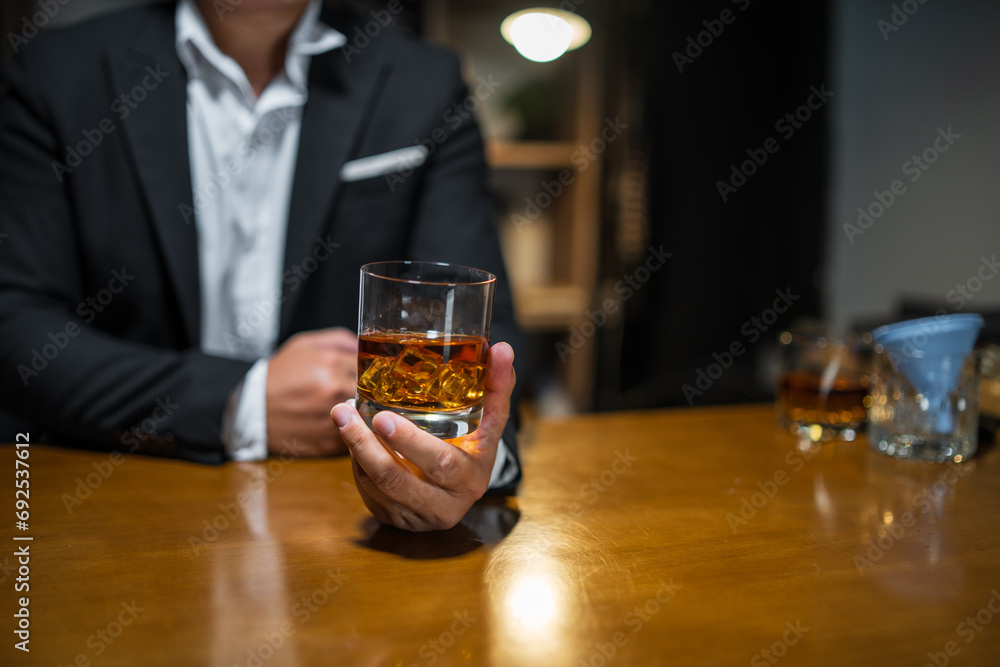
(410, 157)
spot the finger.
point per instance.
(395, 514)
(383, 467)
(376, 501)
(500, 380)
(385, 509)
(446, 465)
(345, 365)
(339, 338)
(341, 387)
(337, 378)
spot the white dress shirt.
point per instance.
(243, 150)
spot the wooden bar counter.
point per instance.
(683, 537)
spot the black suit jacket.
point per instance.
(125, 370)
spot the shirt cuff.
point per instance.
(504, 467)
(245, 424)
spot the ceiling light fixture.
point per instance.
(543, 34)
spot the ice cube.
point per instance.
(461, 383)
(415, 370)
(374, 376)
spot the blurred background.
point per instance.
(698, 176)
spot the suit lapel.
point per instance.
(341, 97)
(156, 131)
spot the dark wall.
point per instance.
(732, 254)
(12, 14)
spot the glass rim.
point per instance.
(929, 326)
(369, 269)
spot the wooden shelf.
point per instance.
(547, 307)
(504, 154)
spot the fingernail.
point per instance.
(385, 426)
(341, 416)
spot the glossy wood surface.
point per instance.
(623, 543)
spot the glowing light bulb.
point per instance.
(541, 37)
(542, 34)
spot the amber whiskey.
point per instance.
(807, 398)
(422, 372)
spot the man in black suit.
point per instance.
(102, 337)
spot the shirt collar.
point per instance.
(310, 37)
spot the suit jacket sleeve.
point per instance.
(86, 385)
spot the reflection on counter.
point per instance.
(538, 581)
(906, 506)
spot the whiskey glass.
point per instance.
(822, 391)
(423, 341)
